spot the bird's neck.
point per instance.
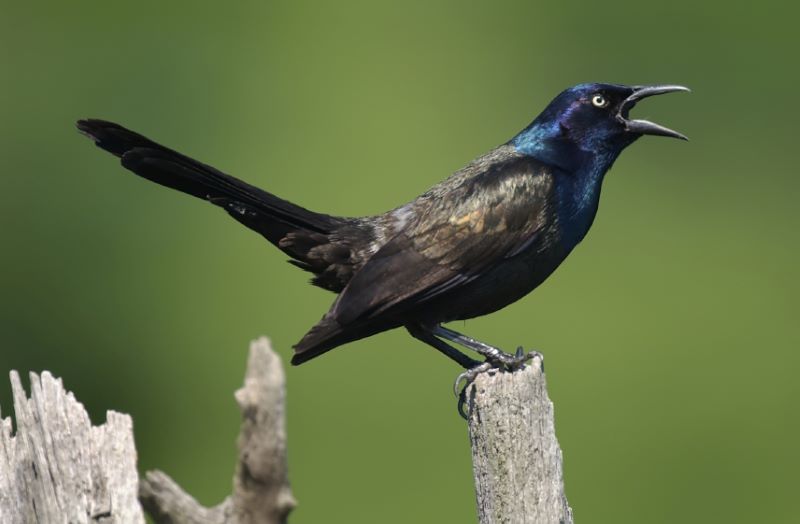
(579, 178)
(585, 167)
(547, 144)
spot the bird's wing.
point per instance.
(456, 235)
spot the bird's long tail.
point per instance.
(302, 234)
(272, 217)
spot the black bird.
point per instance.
(473, 244)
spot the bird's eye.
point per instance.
(599, 101)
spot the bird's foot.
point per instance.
(509, 362)
(468, 377)
(500, 361)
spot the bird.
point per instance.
(472, 244)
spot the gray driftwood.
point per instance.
(58, 468)
(516, 459)
(261, 492)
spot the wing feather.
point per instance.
(451, 241)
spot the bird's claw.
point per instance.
(532, 355)
(468, 377)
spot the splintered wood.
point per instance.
(57, 467)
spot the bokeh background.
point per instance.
(670, 334)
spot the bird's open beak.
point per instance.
(645, 127)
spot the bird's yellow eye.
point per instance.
(599, 101)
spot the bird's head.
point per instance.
(591, 119)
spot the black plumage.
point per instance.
(474, 243)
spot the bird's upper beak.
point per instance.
(645, 127)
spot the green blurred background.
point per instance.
(670, 334)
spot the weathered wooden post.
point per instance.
(516, 459)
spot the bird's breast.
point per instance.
(578, 201)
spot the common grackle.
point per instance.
(474, 243)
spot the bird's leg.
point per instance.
(425, 335)
(494, 355)
(495, 358)
(473, 367)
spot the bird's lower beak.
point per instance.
(645, 127)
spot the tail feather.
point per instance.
(259, 210)
(319, 339)
(308, 237)
(328, 334)
(302, 234)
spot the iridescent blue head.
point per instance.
(589, 123)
